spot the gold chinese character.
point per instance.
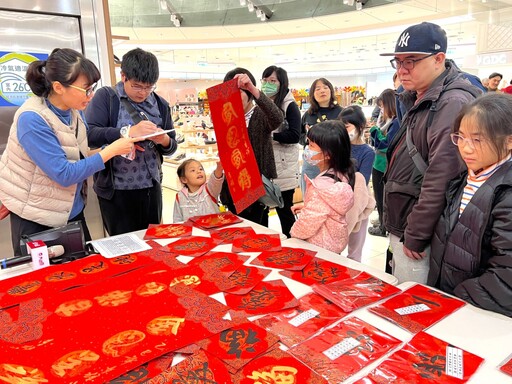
(244, 179)
(164, 325)
(228, 113)
(232, 138)
(237, 159)
(278, 374)
(114, 298)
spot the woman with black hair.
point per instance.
(46, 163)
(274, 84)
(261, 119)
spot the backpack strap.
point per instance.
(129, 107)
(332, 176)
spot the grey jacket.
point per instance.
(414, 202)
(472, 254)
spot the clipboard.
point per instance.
(155, 134)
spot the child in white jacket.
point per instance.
(198, 196)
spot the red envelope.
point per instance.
(227, 235)
(257, 243)
(240, 344)
(198, 368)
(167, 231)
(193, 246)
(424, 360)
(343, 350)
(295, 325)
(214, 262)
(320, 271)
(293, 259)
(215, 220)
(266, 297)
(277, 366)
(417, 308)
(243, 280)
(356, 292)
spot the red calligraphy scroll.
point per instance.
(235, 150)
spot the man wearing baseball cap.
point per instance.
(414, 193)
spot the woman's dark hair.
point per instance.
(282, 77)
(332, 138)
(354, 115)
(140, 65)
(63, 65)
(388, 100)
(238, 70)
(492, 114)
(314, 104)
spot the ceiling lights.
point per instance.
(261, 11)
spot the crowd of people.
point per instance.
(439, 162)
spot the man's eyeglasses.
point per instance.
(407, 63)
(88, 92)
(271, 81)
(140, 88)
(459, 141)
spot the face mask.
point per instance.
(308, 154)
(269, 89)
(352, 135)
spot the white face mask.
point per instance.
(352, 135)
(308, 154)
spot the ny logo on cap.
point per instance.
(404, 40)
(437, 46)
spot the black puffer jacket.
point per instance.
(472, 255)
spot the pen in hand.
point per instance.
(143, 116)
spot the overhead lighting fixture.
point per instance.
(350, 2)
(345, 2)
(243, 3)
(250, 6)
(173, 17)
(263, 17)
(177, 23)
(259, 12)
(163, 5)
(359, 5)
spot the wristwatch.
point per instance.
(124, 132)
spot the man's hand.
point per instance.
(413, 254)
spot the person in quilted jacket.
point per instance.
(329, 196)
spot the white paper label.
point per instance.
(412, 309)
(341, 348)
(454, 362)
(303, 317)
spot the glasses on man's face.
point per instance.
(88, 92)
(140, 88)
(271, 81)
(460, 140)
(407, 63)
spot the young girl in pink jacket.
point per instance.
(330, 195)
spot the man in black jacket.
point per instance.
(129, 189)
(435, 92)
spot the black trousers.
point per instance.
(131, 210)
(286, 217)
(378, 191)
(20, 226)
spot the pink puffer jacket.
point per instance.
(322, 221)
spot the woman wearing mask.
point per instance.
(46, 163)
(285, 139)
(261, 119)
(323, 107)
(363, 155)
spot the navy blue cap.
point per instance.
(424, 38)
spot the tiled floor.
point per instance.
(374, 251)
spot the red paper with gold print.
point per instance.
(275, 367)
(356, 292)
(243, 280)
(235, 150)
(238, 345)
(227, 235)
(76, 336)
(257, 243)
(194, 277)
(266, 297)
(417, 308)
(47, 281)
(293, 326)
(219, 261)
(199, 368)
(215, 220)
(193, 246)
(292, 259)
(343, 350)
(424, 360)
(506, 366)
(146, 371)
(320, 271)
(167, 231)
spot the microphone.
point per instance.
(53, 252)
